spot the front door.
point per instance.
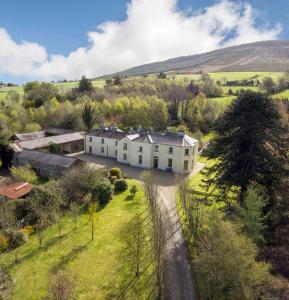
(156, 162)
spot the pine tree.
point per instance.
(88, 115)
(6, 153)
(85, 85)
(251, 146)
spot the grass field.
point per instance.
(98, 265)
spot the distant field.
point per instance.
(233, 75)
(223, 100)
(284, 94)
(63, 87)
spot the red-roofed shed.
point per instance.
(14, 190)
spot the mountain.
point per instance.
(270, 56)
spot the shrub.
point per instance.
(133, 190)
(120, 185)
(3, 243)
(102, 192)
(15, 238)
(27, 230)
(115, 172)
(25, 173)
(113, 179)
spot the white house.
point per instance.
(174, 152)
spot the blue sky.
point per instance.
(60, 27)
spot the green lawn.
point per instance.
(223, 100)
(99, 266)
(284, 94)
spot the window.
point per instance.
(116, 143)
(90, 139)
(75, 147)
(124, 156)
(90, 149)
(102, 150)
(156, 148)
(187, 152)
(125, 146)
(170, 163)
(115, 152)
(102, 141)
(140, 149)
(186, 165)
(140, 159)
(171, 150)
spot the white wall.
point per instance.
(121, 151)
(96, 144)
(178, 156)
(146, 154)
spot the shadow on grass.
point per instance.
(72, 255)
(44, 248)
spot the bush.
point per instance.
(120, 185)
(3, 243)
(27, 229)
(115, 172)
(15, 238)
(24, 173)
(133, 190)
(102, 192)
(113, 179)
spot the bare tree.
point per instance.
(58, 218)
(135, 243)
(40, 224)
(158, 229)
(74, 212)
(92, 212)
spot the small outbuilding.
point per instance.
(46, 165)
(14, 190)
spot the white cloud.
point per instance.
(153, 30)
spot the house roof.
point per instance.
(57, 131)
(29, 136)
(14, 190)
(46, 141)
(114, 133)
(47, 158)
(168, 138)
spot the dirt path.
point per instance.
(179, 279)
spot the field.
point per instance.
(100, 270)
(221, 76)
(63, 87)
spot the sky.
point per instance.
(54, 40)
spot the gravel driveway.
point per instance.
(179, 281)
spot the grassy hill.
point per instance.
(268, 56)
(100, 269)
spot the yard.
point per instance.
(101, 271)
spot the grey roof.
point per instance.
(46, 141)
(57, 131)
(30, 135)
(108, 133)
(47, 158)
(168, 138)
